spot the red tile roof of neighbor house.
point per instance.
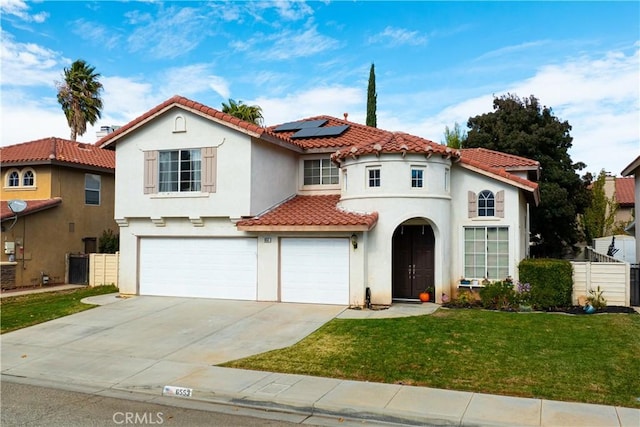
(309, 213)
(625, 191)
(48, 150)
(497, 159)
(33, 206)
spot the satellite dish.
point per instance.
(17, 206)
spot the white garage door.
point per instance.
(314, 271)
(199, 267)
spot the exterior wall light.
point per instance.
(354, 241)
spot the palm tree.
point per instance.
(248, 113)
(79, 95)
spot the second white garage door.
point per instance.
(314, 271)
(199, 267)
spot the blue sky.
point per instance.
(437, 63)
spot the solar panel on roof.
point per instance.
(320, 131)
(302, 124)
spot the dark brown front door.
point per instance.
(412, 260)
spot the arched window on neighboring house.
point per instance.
(486, 203)
(28, 178)
(13, 179)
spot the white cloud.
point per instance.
(20, 9)
(399, 36)
(28, 64)
(295, 44)
(97, 34)
(510, 50)
(330, 100)
(174, 32)
(191, 80)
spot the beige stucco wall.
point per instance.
(40, 190)
(43, 238)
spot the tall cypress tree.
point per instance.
(372, 99)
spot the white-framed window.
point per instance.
(417, 177)
(486, 252)
(374, 177)
(28, 178)
(13, 179)
(92, 184)
(179, 170)
(486, 203)
(320, 172)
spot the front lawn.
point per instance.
(26, 310)
(594, 359)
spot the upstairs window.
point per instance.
(417, 178)
(320, 172)
(486, 203)
(175, 171)
(92, 189)
(179, 170)
(14, 179)
(374, 177)
(28, 178)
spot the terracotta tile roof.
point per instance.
(309, 213)
(394, 142)
(499, 160)
(188, 104)
(625, 191)
(33, 206)
(58, 150)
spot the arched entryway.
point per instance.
(413, 261)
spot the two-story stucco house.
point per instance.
(69, 190)
(320, 210)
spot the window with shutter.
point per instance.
(500, 204)
(150, 172)
(209, 157)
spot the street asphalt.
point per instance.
(139, 345)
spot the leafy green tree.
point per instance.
(248, 113)
(599, 217)
(372, 99)
(79, 96)
(453, 137)
(109, 242)
(525, 128)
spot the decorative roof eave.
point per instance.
(523, 184)
(309, 228)
(632, 167)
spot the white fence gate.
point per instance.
(611, 275)
(103, 269)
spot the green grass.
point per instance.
(26, 310)
(593, 359)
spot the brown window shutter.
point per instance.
(472, 205)
(500, 204)
(150, 172)
(209, 164)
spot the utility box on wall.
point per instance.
(9, 248)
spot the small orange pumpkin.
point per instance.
(424, 296)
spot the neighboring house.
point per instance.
(69, 191)
(633, 169)
(314, 211)
(621, 190)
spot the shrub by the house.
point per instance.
(551, 282)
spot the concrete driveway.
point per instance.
(144, 342)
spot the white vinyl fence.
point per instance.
(611, 275)
(103, 269)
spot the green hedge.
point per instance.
(551, 281)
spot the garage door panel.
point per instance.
(315, 270)
(199, 267)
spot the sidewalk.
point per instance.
(125, 373)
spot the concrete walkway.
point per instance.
(128, 347)
(38, 290)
